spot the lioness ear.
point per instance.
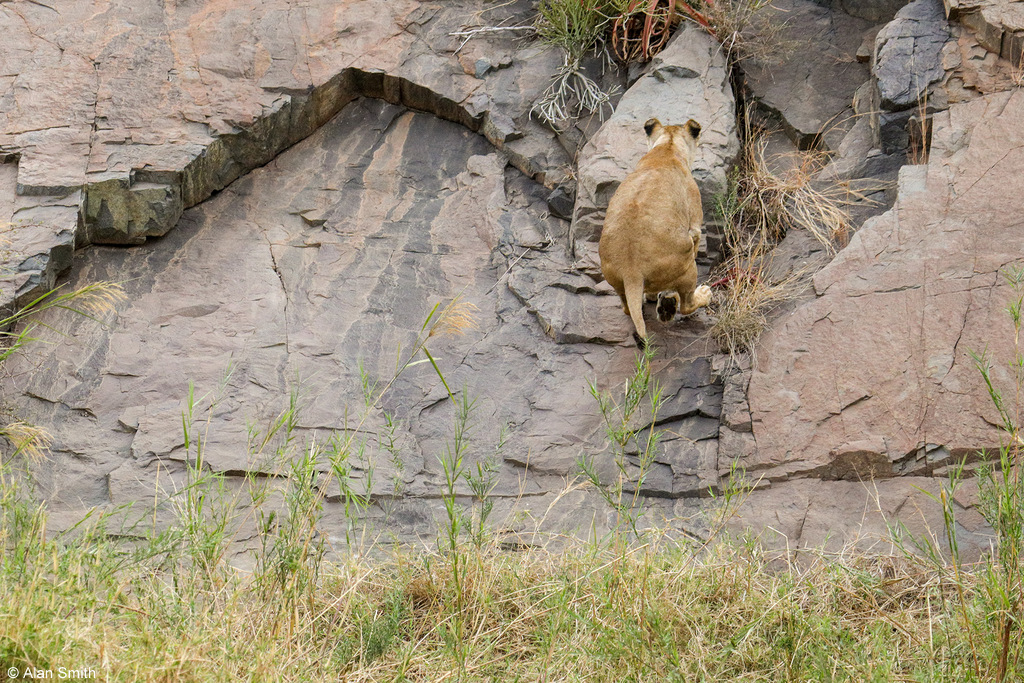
(693, 128)
(651, 127)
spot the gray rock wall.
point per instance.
(322, 265)
(122, 121)
(147, 117)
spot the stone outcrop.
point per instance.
(337, 251)
(808, 83)
(922, 63)
(874, 377)
(869, 387)
(837, 516)
(138, 120)
(997, 24)
(906, 63)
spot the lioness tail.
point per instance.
(635, 300)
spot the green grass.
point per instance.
(608, 612)
(131, 602)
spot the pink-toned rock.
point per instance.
(874, 377)
(998, 24)
(837, 516)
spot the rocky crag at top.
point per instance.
(137, 111)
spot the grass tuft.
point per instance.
(763, 203)
(748, 32)
(28, 440)
(751, 292)
(455, 319)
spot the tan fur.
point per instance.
(652, 230)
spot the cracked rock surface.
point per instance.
(132, 112)
(322, 266)
(874, 378)
(809, 83)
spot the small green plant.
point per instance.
(577, 27)
(1001, 496)
(205, 511)
(629, 424)
(481, 481)
(92, 301)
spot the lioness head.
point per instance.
(683, 138)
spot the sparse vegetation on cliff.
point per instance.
(95, 301)
(634, 31)
(764, 201)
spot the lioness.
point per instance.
(652, 229)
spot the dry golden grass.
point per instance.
(772, 202)
(767, 199)
(28, 440)
(751, 293)
(750, 30)
(457, 318)
(652, 612)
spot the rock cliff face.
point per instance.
(916, 291)
(303, 184)
(872, 379)
(321, 266)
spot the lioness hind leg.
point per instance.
(620, 289)
(699, 297)
(668, 304)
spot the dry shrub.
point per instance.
(762, 205)
(750, 292)
(27, 439)
(773, 202)
(636, 30)
(747, 31)
(644, 27)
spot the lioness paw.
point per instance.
(668, 304)
(702, 296)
